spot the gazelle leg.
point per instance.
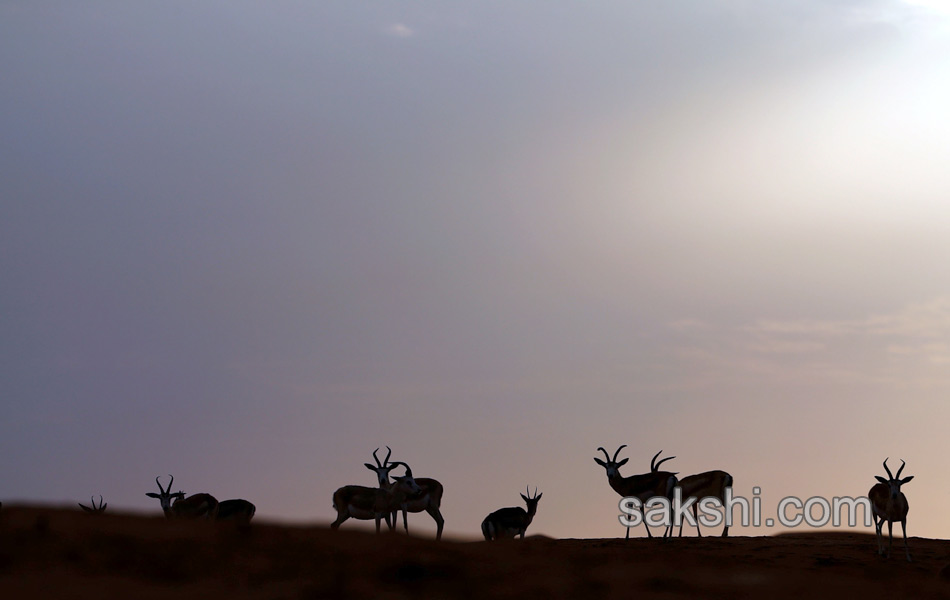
(904, 530)
(696, 518)
(890, 537)
(878, 525)
(439, 521)
(339, 521)
(644, 514)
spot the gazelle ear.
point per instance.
(85, 508)
(152, 495)
(103, 507)
(623, 462)
(538, 497)
(370, 467)
(906, 479)
(600, 462)
(881, 479)
(524, 498)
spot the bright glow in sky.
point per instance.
(940, 6)
(247, 244)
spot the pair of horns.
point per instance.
(385, 460)
(614, 459)
(164, 491)
(654, 466)
(100, 508)
(528, 492)
(898, 476)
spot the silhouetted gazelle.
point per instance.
(365, 503)
(94, 509)
(649, 485)
(237, 510)
(192, 507)
(702, 485)
(888, 503)
(429, 498)
(511, 521)
(382, 470)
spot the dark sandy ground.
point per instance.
(58, 553)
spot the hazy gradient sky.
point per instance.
(247, 243)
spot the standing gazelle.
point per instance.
(428, 499)
(888, 503)
(365, 503)
(193, 507)
(711, 484)
(646, 486)
(511, 521)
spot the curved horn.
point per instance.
(397, 463)
(160, 488)
(898, 476)
(376, 458)
(618, 452)
(170, 483)
(663, 461)
(388, 454)
(607, 456)
(889, 476)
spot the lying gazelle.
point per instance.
(649, 485)
(429, 499)
(192, 507)
(888, 503)
(240, 511)
(703, 485)
(96, 510)
(511, 521)
(365, 503)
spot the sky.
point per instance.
(247, 243)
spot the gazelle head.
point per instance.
(532, 502)
(94, 509)
(165, 497)
(405, 482)
(382, 469)
(894, 482)
(655, 466)
(611, 464)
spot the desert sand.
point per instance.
(64, 553)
